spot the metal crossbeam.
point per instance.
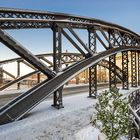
(125, 82)
(92, 69)
(133, 69)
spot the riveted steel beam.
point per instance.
(125, 82)
(92, 69)
(133, 69)
(57, 64)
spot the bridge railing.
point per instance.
(134, 108)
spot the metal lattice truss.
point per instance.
(133, 69)
(112, 38)
(112, 75)
(125, 70)
(93, 69)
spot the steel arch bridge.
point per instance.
(112, 37)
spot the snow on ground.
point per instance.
(48, 123)
(88, 133)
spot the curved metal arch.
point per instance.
(39, 56)
(18, 18)
(18, 107)
(8, 15)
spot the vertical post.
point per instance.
(57, 50)
(92, 69)
(125, 83)
(66, 60)
(133, 69)
(1, 76)
(77, 79)
(18, 73)
(112, 64)
(38, 78)
(86, 76)
(99, 74)
(105, 75)
(139, 68)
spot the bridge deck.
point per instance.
(40, 122)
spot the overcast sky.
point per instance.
(122, 12)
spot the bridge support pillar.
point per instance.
(112, 65)
(57, 50)
(125, 82)
(92, 69)
(138, 68)
(133, 69)
(112, 71)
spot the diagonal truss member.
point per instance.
(57, 63)
(15, 46)
(92, 69)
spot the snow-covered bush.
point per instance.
(111, 116)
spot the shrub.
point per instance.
(112, 117)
